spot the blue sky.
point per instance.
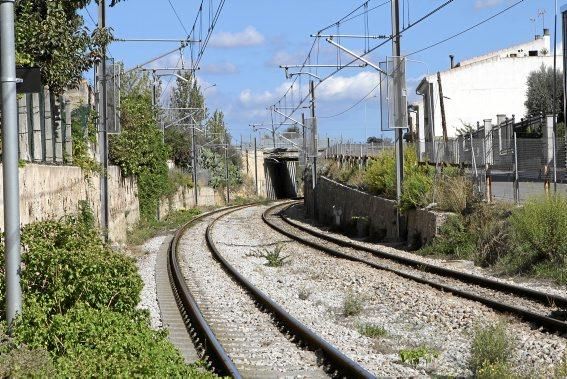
(253, 37)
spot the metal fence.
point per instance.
(44, 128)
(511, 161)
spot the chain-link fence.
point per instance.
(511, 161)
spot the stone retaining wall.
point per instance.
(51, 192)
(337, 203)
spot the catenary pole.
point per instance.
(194, 153)
(314, 132)
(103, 132)
(396, 52)
(10, 161)
(256, 166)
(554, 109)
(226, 170)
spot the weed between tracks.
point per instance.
(372, 331)
(352, 305)
(491, 350)
(418, 354)
(274, 257)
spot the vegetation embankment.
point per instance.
(529, 240)
(449, 190)
(79, 314)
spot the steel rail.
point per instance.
(197, 327)
(340, 363)
(549, 323)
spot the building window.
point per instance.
(533, 53)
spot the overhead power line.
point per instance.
(420, 20)
(178, 18)
(355, 104)
(466, 30)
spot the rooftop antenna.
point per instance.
(541, 13)
(533, 21)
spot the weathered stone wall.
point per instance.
(184, 198)
(333, 199)
(423, 225)
(337, 202)
(51, 192)
(248, 169)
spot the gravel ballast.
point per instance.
(146, 267)
(313, 287)
(248, 335)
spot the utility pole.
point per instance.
(442, 105)
(304, 152)
(10, 161)
(256, 166)
(194, 153)
(103, 132)
(554, 100)
(314, 132)
(396, 52)
(226, 170)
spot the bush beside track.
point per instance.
(79, 314)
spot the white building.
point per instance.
(479, 89)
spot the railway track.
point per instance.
(543, 310)
(236, 328)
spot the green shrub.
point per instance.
(541, 226)
(110, 344)
(65, 262)
(453, 193)
(84, 133)
(454, 240)
(380, 179)
(483, 235)
(417, 188)
(139, 151)
(495, 370)
(147, 229)
(491, 350)
(18, 360)
(380, 175)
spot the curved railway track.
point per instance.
(232, 346)
(544, 310)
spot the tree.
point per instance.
(139, 150)
(292, 129)
(51, 34)
(374, 140)
(540, 92)
(187, 94)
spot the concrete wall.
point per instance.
(332, 199)
(51, 192)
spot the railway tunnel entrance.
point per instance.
(281, 178)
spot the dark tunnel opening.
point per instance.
(282, 177)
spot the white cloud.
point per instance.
(284, 57)
(223, 68)
(248, 37)
(480, 4)
(348, 87)
(249, 98)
